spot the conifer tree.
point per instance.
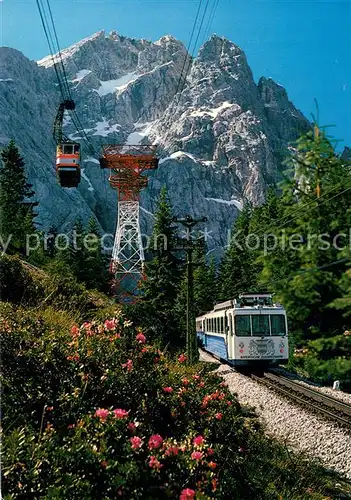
(96, 262)
(237, 271)
(315, 206)
(16, 207)
(162, 272)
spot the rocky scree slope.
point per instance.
(221, 139)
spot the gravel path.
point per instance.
(301, 429)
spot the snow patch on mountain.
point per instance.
(236, 203)
(80, 75)
(178, 154)
(90, 188)
(111, 86)
(90, 159)
(214, 112)
(137, 136)
(146, 211)
(104, 129)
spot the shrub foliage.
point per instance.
(96, 411)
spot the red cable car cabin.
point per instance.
(68, 164)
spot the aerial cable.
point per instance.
(51, 49)
(212, 16)
(59, 51)
(65, 79)
(304, 207)
(311, 270)
(194, 48)
(63, 83)
(189, 47)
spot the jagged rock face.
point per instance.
(221, 137)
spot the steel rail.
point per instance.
(294, 391)
(328, 406)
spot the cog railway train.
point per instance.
(248, 331)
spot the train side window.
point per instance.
(260, 325)
(76, 148)
(242, 326)
(222, 325)
(278, 326)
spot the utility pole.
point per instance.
(188, 246)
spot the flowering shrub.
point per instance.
(98, 412)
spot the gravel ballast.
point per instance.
(299, 428)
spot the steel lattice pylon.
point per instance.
(127, 164)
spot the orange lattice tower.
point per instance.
(127, 165)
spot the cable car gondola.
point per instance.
(68, 163)
(67, 152)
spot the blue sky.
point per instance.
(305, 45)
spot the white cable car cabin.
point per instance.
(68, 164)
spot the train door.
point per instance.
(230, 335)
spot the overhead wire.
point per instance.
(210, 21)
(59, 51)
(189, 47)
(194, 47)
(62, 79)
(51, 48)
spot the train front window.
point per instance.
(278, 324)
(68, 149)
(242, 326)
(260, 325)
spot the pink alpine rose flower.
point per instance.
(196, 455)
(110, 324)
(136, 442)
(187, 494)
(128, 365)
(185, 381)
(102, 413)
(212, 465)
(219, 416)
(120, 414)
(131, 426)
(172, 451)
(182, 358)
(168, 389)
(141, 338)
(75, 330)
(198, 440)
(154, 463)
(155, 441)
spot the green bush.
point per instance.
(97, 412)
(325, 360)
(16, 282)
(21, 283)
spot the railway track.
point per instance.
(330, 408)
(327, 406)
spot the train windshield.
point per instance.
(278, 324)
(242, 326)
(259, 325)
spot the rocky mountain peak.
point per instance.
(220, 135)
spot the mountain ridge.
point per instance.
(220, 138)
